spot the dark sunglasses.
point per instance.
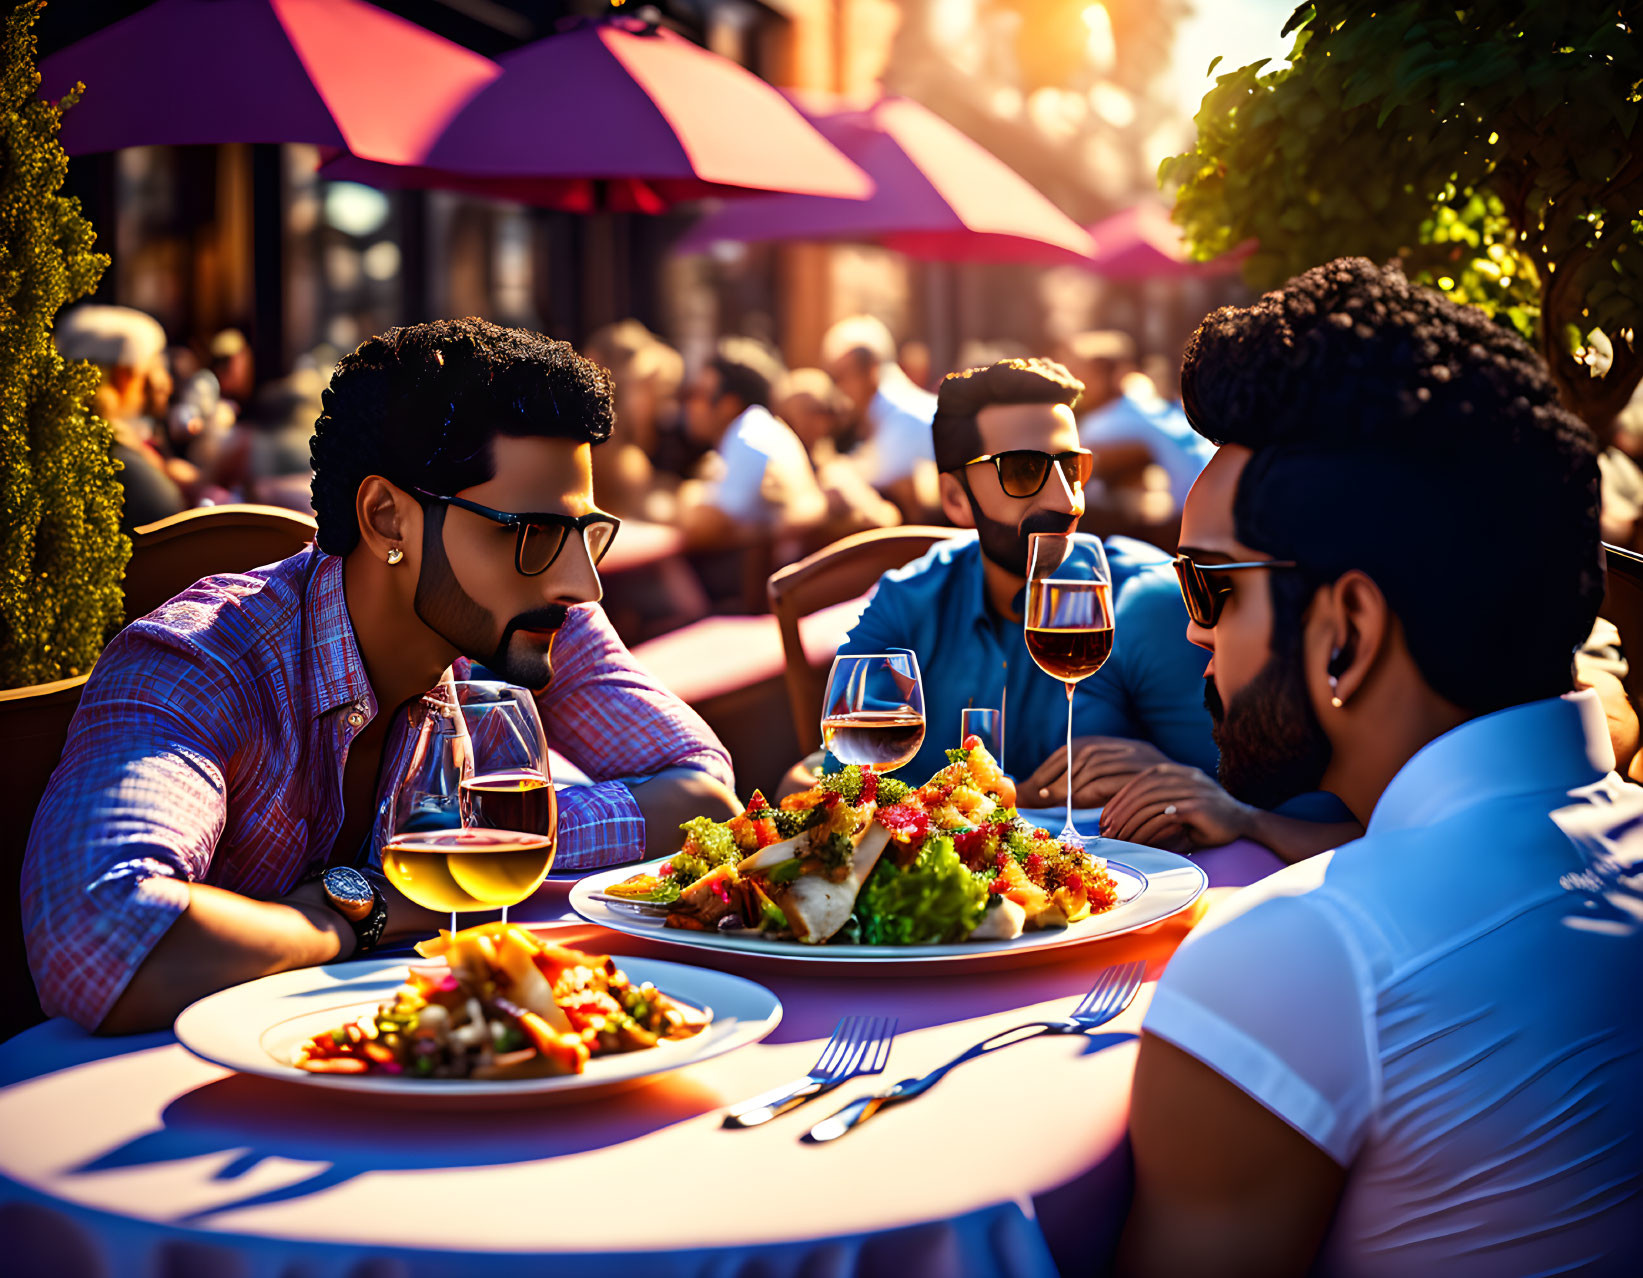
(1023, 471)
(1205, 598)
(540, 538)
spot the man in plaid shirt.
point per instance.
(244, 736)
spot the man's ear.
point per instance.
(1350, 627)
(390, 520)
(955, 502)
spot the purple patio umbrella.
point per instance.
(335, 73)
(937, 195)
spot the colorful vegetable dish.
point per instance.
(504, 1004)
(862, 858)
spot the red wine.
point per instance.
(467, 869)
(1069, 655)
(517, 799)
(881, 740)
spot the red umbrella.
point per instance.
(938, 195)
(622, 115)
(1142, 243)
(338, 73)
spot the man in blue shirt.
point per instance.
(1419, 1053)
(959, 607)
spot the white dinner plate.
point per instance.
(1152, 886)
(257, 1027)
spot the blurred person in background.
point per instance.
(860, 355)
(916, 361)
(129, 349)
(647, 395)
(761, 480)
(234, 367)
(817, 411)
(1129, 426)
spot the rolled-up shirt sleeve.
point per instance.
(130, 818)
(607, 715)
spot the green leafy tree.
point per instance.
(61, 549)
(1490, 145)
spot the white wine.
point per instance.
(880, 740)
(470, 869)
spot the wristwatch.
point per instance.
(357, 896)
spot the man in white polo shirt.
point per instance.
(1422, 1052)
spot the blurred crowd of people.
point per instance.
(739, 451)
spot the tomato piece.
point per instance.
(765, 831)
(971, 742)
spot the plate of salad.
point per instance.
(496, 1012)
(867, 869)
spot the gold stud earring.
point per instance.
(395, 555)
(1334, 701)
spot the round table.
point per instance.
(131, 1156)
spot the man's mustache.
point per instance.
(550, 617)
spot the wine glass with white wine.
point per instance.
(1068, 622)
(873, 710)
(474, 818)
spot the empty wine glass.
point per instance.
(873, 711)
(988, 724)
(473, 818)
(1068, 621)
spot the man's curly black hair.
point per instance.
(1416, 440)
(420, 405)
(961, 397)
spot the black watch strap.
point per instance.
(357, 894)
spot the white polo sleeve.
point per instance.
(1278, 1000)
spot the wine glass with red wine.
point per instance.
(474, 816)
(1068, 621)
(873, 711)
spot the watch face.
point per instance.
(349, 890)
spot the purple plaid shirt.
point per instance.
(209, 748)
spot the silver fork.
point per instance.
(1112, 992)
(860, 1045)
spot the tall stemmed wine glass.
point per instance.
(873, 711)
(1069, 621)
(474, 816)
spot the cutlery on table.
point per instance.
(1112, 992)
(860, 1045)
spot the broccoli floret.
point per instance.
(685, 868)
(846, 783)
(714, 844)
(790, 823)
(837, 849)
(958, 756)
(892, 791)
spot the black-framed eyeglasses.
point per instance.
(540, 537)
(1023, 471)
(1205, 598)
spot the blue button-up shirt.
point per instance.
(1151, 688)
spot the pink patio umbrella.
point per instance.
(621, 115)
(1142, 243)
(937, 195)
(335, 73)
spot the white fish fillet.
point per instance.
(816, 907)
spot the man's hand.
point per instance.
(672, 797)
(1167, 801)
(1101, 767)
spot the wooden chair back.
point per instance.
(171, 554)
(1623, 605)
(33, 726)
(167, 557)
(845, 570)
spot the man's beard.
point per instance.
(452, 614)
(1007, 545)
(1272, 745)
